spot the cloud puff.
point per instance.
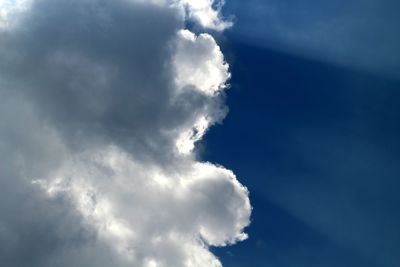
(101, 104)
(207, 13)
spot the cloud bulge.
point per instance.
(101, 104)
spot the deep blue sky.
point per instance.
(313, 132)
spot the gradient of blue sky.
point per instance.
(313, 131)
(357, 33)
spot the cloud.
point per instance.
(101, 104)
(200, 63)
(207, 13)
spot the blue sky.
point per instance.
(313, 131)
(357, 33)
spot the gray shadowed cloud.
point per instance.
(101, 106)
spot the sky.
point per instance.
(313, 132)
(190, 133)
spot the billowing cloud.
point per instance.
(207, 13)
(101, 104)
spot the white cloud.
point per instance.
(207, 13)
(199, 62)
(10, 9)
(140, 215)
(101, 105)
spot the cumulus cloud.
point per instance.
(207, 13)
(101, 105)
